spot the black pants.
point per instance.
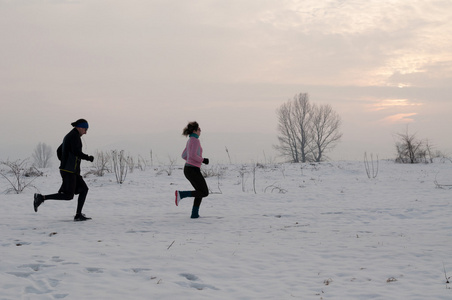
(193, 174)
(73, 184)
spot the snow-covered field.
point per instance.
(287, 231)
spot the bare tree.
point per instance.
(306, 131)
(303, 114)
(295, 127)
(42, 155)
(410, 149)
(325, 124)
(288, 143)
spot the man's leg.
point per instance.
(66, 191)
(82, 191)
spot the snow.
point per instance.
(285, 231)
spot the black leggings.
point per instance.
(193, 174)
(73, 184)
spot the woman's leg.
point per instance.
(196, 179)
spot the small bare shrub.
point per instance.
(119, 165)
(16, 174)
(152, 158)
(445, 274)
(242, 173)
(371, 168)
(212, 171)
(441, 185)
(168, 169)
(141, 163)
(101, 164)
(411, 150)
(254, 178)
(327, 281)
(275, 187)
(131, 163)
(229, 156)
(33, 172)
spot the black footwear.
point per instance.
(38, 199)
(81, 217)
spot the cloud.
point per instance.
(340, 42)
(399, 118)
(433, 74)
(359, 42)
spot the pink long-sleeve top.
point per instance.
(192, 153)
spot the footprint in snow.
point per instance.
(189, 276)
(36, 267)
(94, 270)
(192, 284)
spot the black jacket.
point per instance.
(70, 152)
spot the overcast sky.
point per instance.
(138, 71)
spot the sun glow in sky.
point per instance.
(391, 103)
(139, 70)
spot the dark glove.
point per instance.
(205, 161)
(91, 158)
